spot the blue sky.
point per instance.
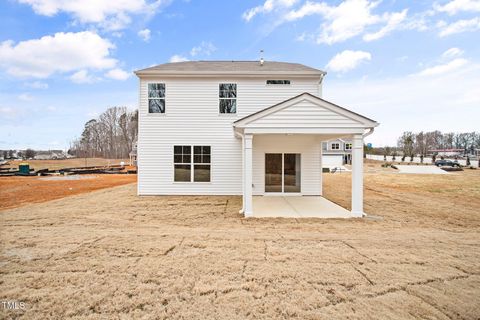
(410, 65)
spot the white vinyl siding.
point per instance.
(307, 145)
(193, 119)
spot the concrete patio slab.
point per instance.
(420, 169)
(297, 207)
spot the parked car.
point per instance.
(446, 163)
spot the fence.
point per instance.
(426, 160)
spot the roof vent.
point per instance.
(261, 58)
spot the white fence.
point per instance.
(426, 160)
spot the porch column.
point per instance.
(357, 176)
(248, 172)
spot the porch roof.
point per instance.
(305, 113)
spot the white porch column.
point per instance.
(248, 172)
(357, 176)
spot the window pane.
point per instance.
(177, 158)
(201, 173)
(187, 149)
(228, 105)
(197, 158)
(206, 159)
(186, 158)
(228, 90)
(177, 149)
(156, 105)
(182, 173)
(197, 149)
(206, 149)
(156, 90)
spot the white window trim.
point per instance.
(335, 144)
(159, 114)
(225, 114)
(192, 164)
(348, 146)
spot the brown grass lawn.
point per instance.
(110, 254)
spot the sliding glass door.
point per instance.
(282, 172)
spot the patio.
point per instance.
(297, 207)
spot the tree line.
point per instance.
(423, 143)
(111, 135)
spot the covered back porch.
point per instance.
(282, 158)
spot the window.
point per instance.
(156, 98)
(228, 97)
(348, 146)
(278, 81)
(188, 168)
(335, 146)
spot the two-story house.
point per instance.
(250, 128)
(337, 152)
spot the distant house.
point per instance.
(336, 152)
(250, 128)
(49, 155)
(133, 155)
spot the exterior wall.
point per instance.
(192, 118)
(309, 148)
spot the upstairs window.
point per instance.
(156, 98)
(335, 146)
(227, 94)
(278, 81)
(348, 146)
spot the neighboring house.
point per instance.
(133, 154)
(337, 152)
(245, 128)
(49, 155)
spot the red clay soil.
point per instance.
(18, 191)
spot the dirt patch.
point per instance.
(112, 254)
(19, 191)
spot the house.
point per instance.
(447, 152)
(337, 152)
(250, 128)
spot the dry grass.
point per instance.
(111, 254)
(17, 191)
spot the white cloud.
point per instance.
(205, 48)
(268, 6)
(348, 60)
(178, 58)
(82, 76)
(444, 68)
(36, 85)
(145, 34)
(459, 26)
(62, 52)
(393, 22)
(456, 6)
(349, 19)
(117, 74)
(25, 97)
(9, 113)
(452, 53)
(412, 103)
(110, 15)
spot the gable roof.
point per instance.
(231, 68)
(367, 122)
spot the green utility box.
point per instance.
(24, 168)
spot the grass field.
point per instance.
(110, 254)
